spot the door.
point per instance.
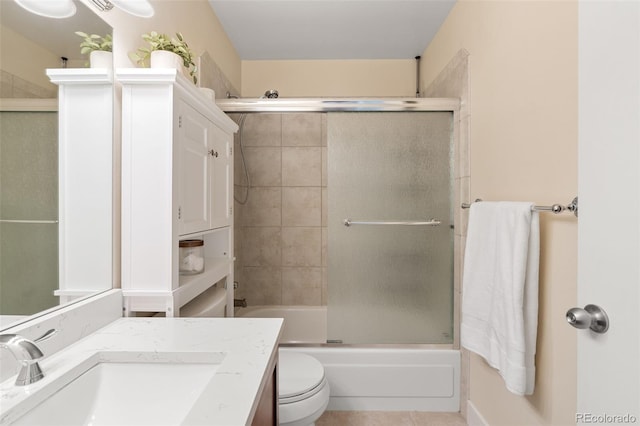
(220, 175)
(193, 154)
(391, 270)
(609, 221)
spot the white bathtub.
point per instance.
(406, 378)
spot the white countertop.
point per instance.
(247, 348)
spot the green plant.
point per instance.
(176, 45)
(93, 42)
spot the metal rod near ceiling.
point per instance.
(417, 76)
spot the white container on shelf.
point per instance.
(191, 257)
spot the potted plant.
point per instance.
(99, 49)
(162, 45)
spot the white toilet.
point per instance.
(303, 390)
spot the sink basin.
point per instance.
(125, 393)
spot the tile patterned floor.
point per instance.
(389, 418)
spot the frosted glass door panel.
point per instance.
(28, 211)
(390, 283)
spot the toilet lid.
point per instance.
(298, 374)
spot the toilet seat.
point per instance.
(303, 390)
(300, 376)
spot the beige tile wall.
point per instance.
(281, 229)
(12, 86)
(453, 82)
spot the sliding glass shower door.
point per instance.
(390, 268)
(28, 211)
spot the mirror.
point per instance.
(29, 152)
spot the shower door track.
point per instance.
(338, 104)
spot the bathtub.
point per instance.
(376, 378)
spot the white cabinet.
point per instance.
(85, 204)
(221, 189)
(177, 183)
(204, 157)
(194, 195)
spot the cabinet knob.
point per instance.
(213, 153)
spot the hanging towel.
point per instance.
(500, 289)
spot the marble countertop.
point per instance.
(247, 348)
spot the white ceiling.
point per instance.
(331, 29)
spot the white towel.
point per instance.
(500, 289)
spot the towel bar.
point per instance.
(555, 208)
(28, 221)
(430, 222)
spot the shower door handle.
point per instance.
(430, 222)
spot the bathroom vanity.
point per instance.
(189, 371)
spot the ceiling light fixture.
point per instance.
(141, 8)
(49, 8)
(103, 5)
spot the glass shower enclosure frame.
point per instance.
(388, 281)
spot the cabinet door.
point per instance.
(193, 171)
(220, 183)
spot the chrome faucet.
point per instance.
(27, 354)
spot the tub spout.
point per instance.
(240, 303)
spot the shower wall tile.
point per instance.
(301, 206)
(301, 166)
(261, 246)
(325, 286)
(301, 246)
(211, 76)
(263, 285)
(13, 86)
(323, 130)
(465, 373)
(464, 195)
(325, 207)
(325, 246)
(463, 147)
(325, 162)
(238, 167)
(263, 208)
(264, 165)
(238, 236)
(262, 130)
(279, 228)
(301, 286)
(301, 129)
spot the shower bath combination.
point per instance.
(387, 290)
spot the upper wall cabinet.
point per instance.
(176, 184)
(204, 153)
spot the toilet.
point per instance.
(303, 390)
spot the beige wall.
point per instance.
(193, 18)
(523, 146)
(330, 78)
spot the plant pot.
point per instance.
(209, 93)
(101, 59)
(166, 59)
